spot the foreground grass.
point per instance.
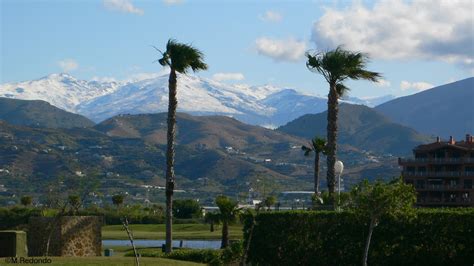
(115, 261)
(180, 231)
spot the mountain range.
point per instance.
(361, 127)
(266, 105)
(446, 110)
(216, 154)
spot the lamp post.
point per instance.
(338, 168)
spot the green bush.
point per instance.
(434, 237)
(186, 209)
(209, 256)
(233, 253)
(16, 217)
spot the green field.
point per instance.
(115, 261)
(180, 231)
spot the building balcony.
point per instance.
(438, 174)
(431, 187)
(437, 202)
(402, 161)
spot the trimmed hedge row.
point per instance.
(213, 257)
(434, 237)
(17, 217)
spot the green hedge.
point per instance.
(229, 255)
(434, 237)
(16, 217)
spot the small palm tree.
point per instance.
(337, 66)
(117, 200)
(75, 203)
(229, 211)
(318, 146)
(26, 200)
(179, 58)
(269, 202)
(212, 219)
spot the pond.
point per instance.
(198, 244)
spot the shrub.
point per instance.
(232, 253)
(434, 237)
(209, 256)
(16, 217)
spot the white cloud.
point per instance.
(228, 76)
(173, 2)
(396, 29)
(418, 86)
(271, 16)
(123, 6)
(382, 83)
(281, 50)
(68, 65)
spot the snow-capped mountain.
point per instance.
(195, 95)
(61, 90)
(266, 105)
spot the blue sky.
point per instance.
(416, 44)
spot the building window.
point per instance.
(453, 183)
(421, 155)
(468, 183)
(420, 184)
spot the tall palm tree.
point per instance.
(337, 66)
(318, 146)
(229, 211)
(179, 58)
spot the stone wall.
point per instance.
(70, 236)
(13, 244)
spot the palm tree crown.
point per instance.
(317, 145)
(338, 65)
(181, 57)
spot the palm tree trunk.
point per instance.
(316, 173)
(170, 179)
(332, 138)
(225, 234)
(367, 242)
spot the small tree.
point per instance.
(118, 199)
(26, 200)
(229, 211)
(371, 202)
(186, 209)
(318, 146)
(75, 203)
(212, 219)
(269, 201)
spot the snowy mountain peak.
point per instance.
(98, 100)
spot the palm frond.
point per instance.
(319, 144)
(340, 64)
(307, 150)
(182, 57)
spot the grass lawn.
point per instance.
(115, 261)
(180, 231)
